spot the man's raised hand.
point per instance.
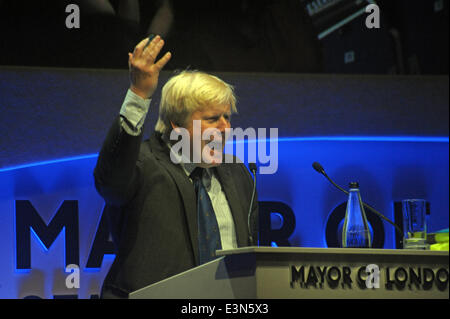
(144, 71)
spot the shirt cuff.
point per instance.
(134, 109)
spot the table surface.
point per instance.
(344, 251)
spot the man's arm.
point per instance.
(116, 173)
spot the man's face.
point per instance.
(210, 131)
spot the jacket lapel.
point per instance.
(185, 188)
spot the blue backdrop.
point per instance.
(49, 189)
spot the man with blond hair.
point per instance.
(170, 209)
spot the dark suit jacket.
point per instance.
(151, 207)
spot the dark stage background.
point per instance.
(233, 36)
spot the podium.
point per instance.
(309, 273)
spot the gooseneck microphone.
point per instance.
(320, 170)
(253, 168)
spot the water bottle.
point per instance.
(356, 232)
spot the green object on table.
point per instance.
(439, 246)
(438, 240)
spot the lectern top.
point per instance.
(333, 251)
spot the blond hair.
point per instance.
(188, 92)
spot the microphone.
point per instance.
(253, 168)
(320, 170)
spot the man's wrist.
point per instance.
(134, 109)
(142, 94)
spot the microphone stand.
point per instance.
(320, 169)
(253, 169)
